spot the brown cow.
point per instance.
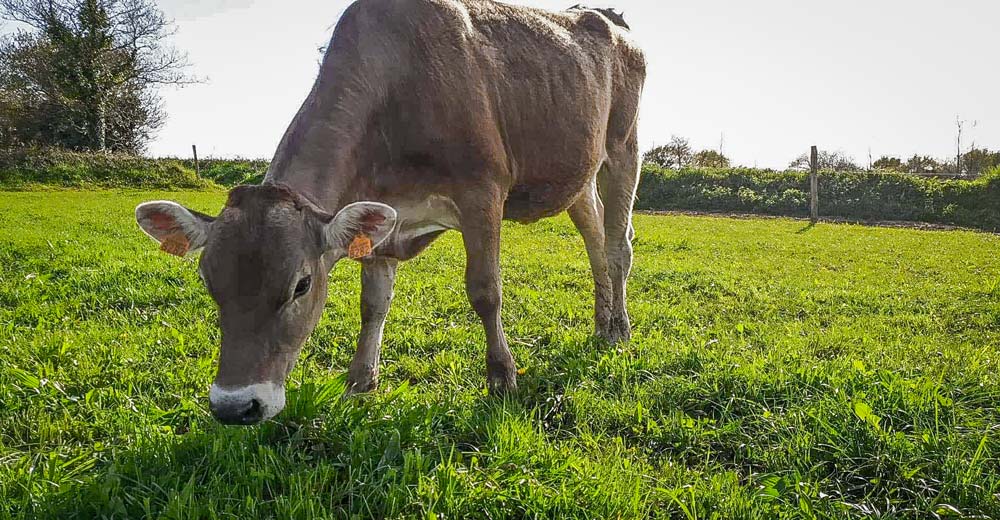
(427, 115)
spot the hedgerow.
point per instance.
(27, 168)
(231, 172)
(858, 195)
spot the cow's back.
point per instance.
(532, 90)
(456, 91)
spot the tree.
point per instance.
(923, 164)
(658, 156)
(977, 161)
(710, 159)
(679, 150)
(85, 74)
(889, 164)
(675, 154)
(833, 161)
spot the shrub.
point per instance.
(23, 168)
(231, 172)
(854, 195)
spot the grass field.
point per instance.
(777, 370)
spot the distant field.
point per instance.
(777, 370)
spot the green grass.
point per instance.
(776, 371)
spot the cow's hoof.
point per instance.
(602, 326)
(618, 330)
(502, 382)
(361, 385)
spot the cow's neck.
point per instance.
(321, 153)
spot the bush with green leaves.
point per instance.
(27, 168)
(231, 172)
(852, 195)
(39, 167)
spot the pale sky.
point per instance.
(773, 76)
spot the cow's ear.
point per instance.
(177, 229)
(359, 228)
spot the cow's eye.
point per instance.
(301, 288)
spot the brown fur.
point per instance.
(263, 195)
(499, 111)
(463, 93)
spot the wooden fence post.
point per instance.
(814, 185)
(197, 168)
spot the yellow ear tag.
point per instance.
(175, 244)
(360, 247)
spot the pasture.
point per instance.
(776, 370)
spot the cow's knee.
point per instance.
(377, 279)
(484, 295)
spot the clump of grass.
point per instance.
(777, 371)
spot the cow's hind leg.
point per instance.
(481, 220)
(617, 181)
(378, 275)
(587, 213)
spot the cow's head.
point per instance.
(265, 262)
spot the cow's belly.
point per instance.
(535, 198)
(528, 203)
(555, 163)
(531, 198)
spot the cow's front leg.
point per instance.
(481, 235)
(378, 276)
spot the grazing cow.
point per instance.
(427, 115)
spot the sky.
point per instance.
(764, 79)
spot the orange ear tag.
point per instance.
(175, 244)
(360, 247)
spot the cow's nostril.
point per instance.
(253, 413)
(246, 405)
